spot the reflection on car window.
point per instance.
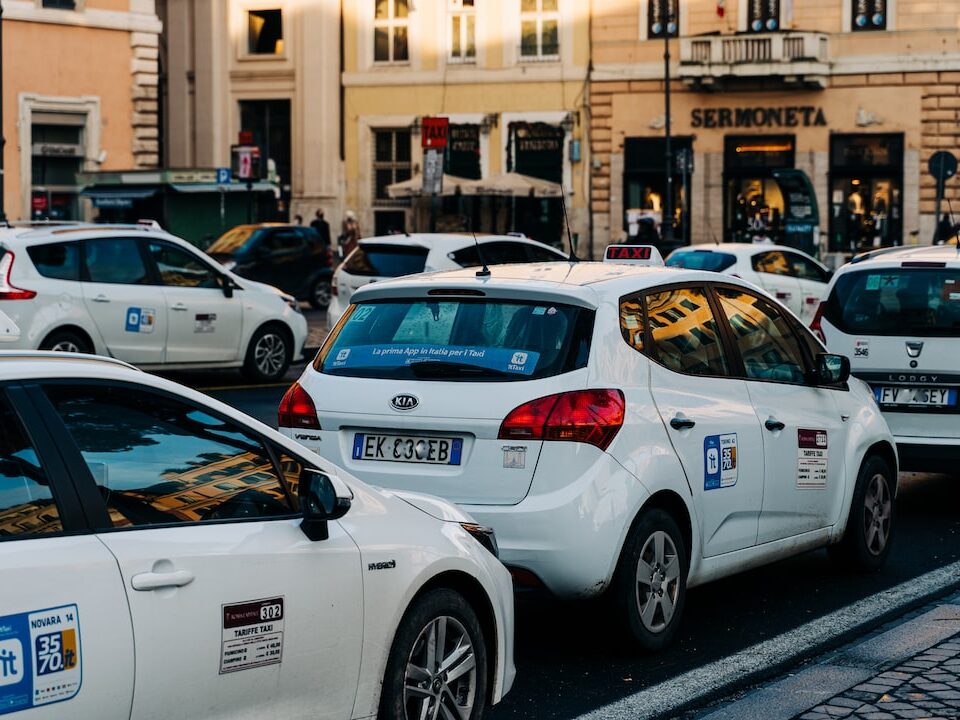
(631, 323)
(112, 260)
(26, 504)
(178, 268)
(773, 262)
(684, 332)
(157, 460)
(769, 349)
(806, 269)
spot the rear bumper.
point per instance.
(921, 455)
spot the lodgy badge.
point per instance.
(404, 402)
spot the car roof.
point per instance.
(738, 249)
(16, 363)
(893, 257)
(448, 241)
(51, 232)
(587, 281)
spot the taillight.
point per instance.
(8, 291)
(815, 323)
(297, 410)
(587, 416)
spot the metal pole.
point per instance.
(3, 140)
(667, 221)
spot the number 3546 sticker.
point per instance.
(39, 658)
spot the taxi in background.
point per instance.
(139, 294)
(624, 428)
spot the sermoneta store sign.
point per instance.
(758, 117)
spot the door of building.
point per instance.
(753, 203)
(645, 181)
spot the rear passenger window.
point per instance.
(114, 261)
(58, 261)
(684, 332)
(773, 262)
(157, 460)
(26, 503)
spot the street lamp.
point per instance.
(669, 27)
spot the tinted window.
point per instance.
(281, 240)
(386, 260)
(805, 269)
(156, 460)
(179, 268)
(539, 254)
(773, 262)
(702, 260)
(114, 261)
(60, 261)
(504, 253)
(922, 302)
(684, 332)
(26, 504)
(458, 340)
(767, 344)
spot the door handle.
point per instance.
(156, 581)
(773, 425)
(179, 307)
(101, 298)
(681, 423)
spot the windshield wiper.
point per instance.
(445, 368)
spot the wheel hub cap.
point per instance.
(441, 676)
(658, 581)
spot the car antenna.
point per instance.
(484, 271)
(573, 255)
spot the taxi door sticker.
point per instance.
(252, 635)
(140, 320)
(204, 322)
(39, 658)
(811, 458)
(719, 461)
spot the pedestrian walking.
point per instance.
(350, 233)
(298, 219)
(322, 227)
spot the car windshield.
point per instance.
(897, 301)
(474, 340)
(702, 260)
(386, 260)
(234, 241)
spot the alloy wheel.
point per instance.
(321, 294)
(441, 676)
(658, 581)
(877, 514)
(66, 346)
(269, 354)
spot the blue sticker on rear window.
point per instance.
(39, 658)
(522, 362)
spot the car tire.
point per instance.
(320, 294)
(650, 585)
(268, 354)
(66, 341)
(413, 679)
(869, 533)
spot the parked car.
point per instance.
(380, 258)
(632, 429)
(158, 544)
(290, 257)
(791, 276)
(896, 314)
(144, 296)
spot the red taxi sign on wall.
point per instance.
(433, 133)
(633, 255)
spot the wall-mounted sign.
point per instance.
(463, 152)
(868, 15)
(663, 17)
(763, 15)
(758, 117)
(433, 133)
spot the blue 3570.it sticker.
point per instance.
(719, 461)
(140, 320)
(39, 658)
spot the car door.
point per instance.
(708, 415)
(66, 643)
(203, 323)
(129, 315)
(803, 434)
(776, 277)
(813, 279)
(237, 614)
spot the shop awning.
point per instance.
(214, 187)
(117, 196)
(513, 185)
(414, 187)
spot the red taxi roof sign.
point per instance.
(633, 255)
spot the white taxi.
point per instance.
(642, 429)
(163, 555)
(141, 295)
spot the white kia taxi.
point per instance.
(642, 429)
(896, 314)
(139, 294)
(163, 555)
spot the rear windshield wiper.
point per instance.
(445, 368)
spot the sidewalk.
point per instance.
(910, 668)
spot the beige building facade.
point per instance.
(857, 94)
(79, 95)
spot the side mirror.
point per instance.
(832, 369)
(319, 503)
(226, 284)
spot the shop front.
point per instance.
(536, 149)
(645, 185)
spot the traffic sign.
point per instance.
(943, 166)
(433, 132)
(433, 171)
(223, 176)
(245, 161)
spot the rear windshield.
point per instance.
(897, 301)
(386, 260)
(702, 260)
(473, 340)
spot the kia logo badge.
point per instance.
(404, 402)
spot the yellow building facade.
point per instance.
(511, 76)
(79, 95)
(857, 94)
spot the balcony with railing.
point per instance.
(790, 58)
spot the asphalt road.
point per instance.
(571, 658)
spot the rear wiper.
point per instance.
(445, 368)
